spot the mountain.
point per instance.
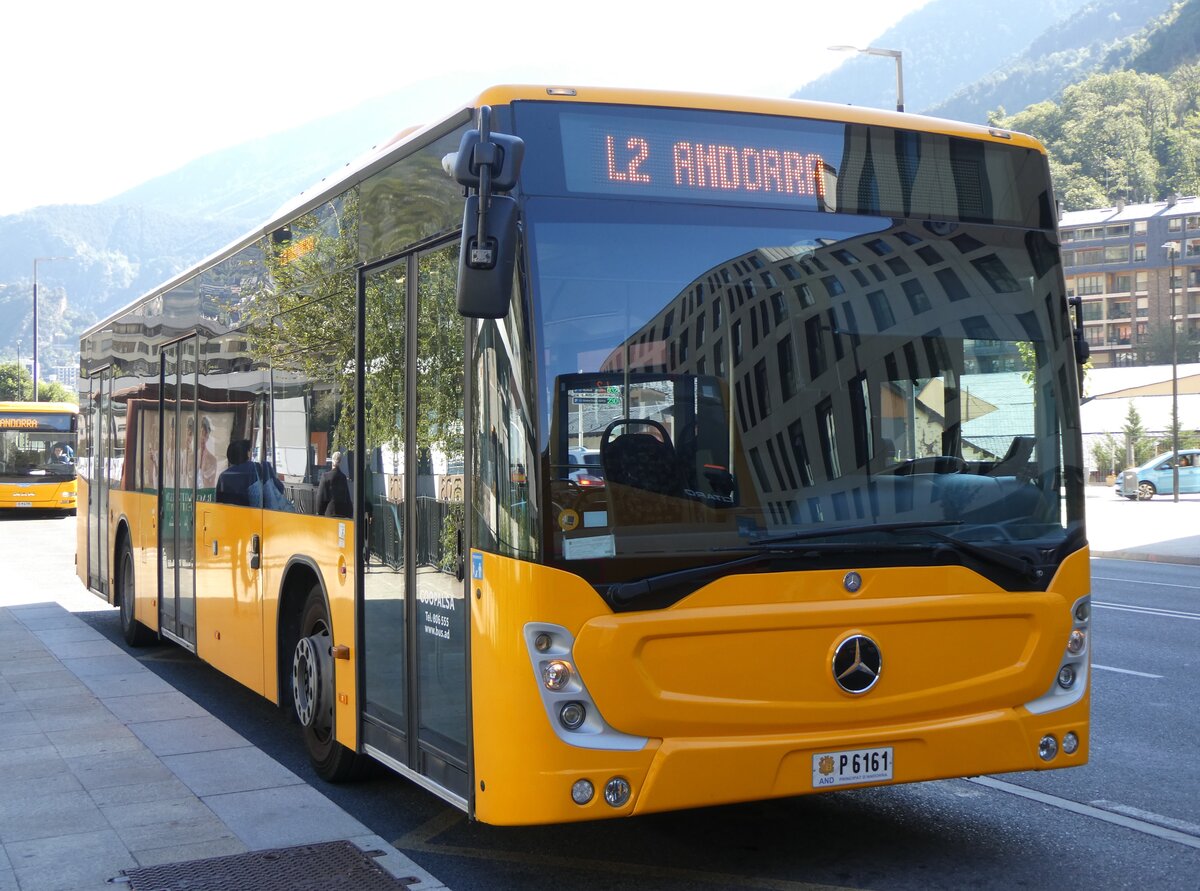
(1100, 36)
(947, 45)
(126, 245)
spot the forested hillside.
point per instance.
(947, 45)
(1102, 36)
(1120, 136)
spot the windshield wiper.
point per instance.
(1024, 568)
(768, 540)
(768, 549)
(625, 592)
(979, 551)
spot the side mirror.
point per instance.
(485, 268)
(487, 162)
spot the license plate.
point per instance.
(24, 504)
(832, 769)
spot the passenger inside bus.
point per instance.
(233, 485)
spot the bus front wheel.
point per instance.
(135, 633)
(313, 694)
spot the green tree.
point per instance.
(1139, 447)
(1108, 454)
(1122, 135)
(16, 385)
(1156, 347)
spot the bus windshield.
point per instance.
(37, 447)
(741, 377)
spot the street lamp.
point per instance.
(20, 385)
(1171, 249)
(878, 51)
(36, 261)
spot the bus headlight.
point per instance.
(1070, 743)
(617, 791)
(556, 674)
(582, 791)
(1076, 642)
(1047, 748)
(1066, 677)
(572, 715)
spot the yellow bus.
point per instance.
(37, 455)
(593, 452)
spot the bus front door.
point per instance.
(177, 511)
(414, 621)
(98, 462)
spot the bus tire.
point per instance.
(313, 695)
(135, 633)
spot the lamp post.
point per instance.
(879, 51)
(20, 386)
(36, 261)
(1170, 246)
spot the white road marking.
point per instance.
(1140, 674)
(1148, 610)
(1141, 582)
(1108, 816)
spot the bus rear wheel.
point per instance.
(313, 694)
(135, 633)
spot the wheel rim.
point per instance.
(1145, 491)
(305, 681)
(312, 676)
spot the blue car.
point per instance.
(1155, 477)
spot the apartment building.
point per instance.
(1117, 260)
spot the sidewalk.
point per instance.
(1161, 529)
(107, 769)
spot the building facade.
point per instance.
(1117, 261)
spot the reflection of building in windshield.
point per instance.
(846, 357)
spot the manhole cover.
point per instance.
(331, 865)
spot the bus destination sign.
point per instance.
(617, 155)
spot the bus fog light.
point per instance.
(582, 791)
(556, 674)
(1083, 611)
(617, 791)
(572, 715)
(1047, 748)
(1070, 743)
(1066, 677)
(542, 642)
(1076, 642)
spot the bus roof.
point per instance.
(41, 407)
(380, 156)
(794, 108)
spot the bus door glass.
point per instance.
(99, 442)
(385, 550)
(415, 709)
(439, 632)
(177, 544)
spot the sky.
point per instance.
(98, 97)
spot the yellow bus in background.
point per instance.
(591, 453)
(37, 455)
